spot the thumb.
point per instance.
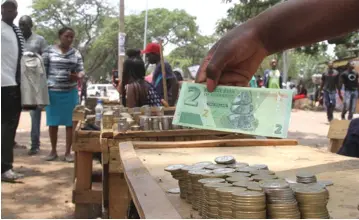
(217, 62)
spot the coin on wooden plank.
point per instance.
(326, 182)
(175, 167)
(225, 160)
(199, 172)
(304, 174)
(246, 169)
(260, 166)
(174, 191)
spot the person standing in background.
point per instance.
(153, 56)
(36, 44)
(12, 46)
(64, 68)
(350, 80)
(330, 86)
(273, 77)
(253, 82)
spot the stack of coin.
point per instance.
(261, 177)
(238, 174)
(305, 177)
(262, 172)
(242, 184)
(187, 181)
(178, 174)
(225, 160)
(312, 202)
(224, 195)
(246, 169)
(215, 166)
(281, 202)
(254, 186)
(196, 175)
(210, 208)
(237, 179)
(237, 165)
(224, 171)
(248, 205)
(203, 182)
(260, 166)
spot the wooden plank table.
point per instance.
(148, 182)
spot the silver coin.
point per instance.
(175, 167)
(224, 170)
(204, 163)
(215, 166)
(237, 165)
(305, 174)
(326, 182)
(274, 184)
(260, 166)
(225, 160)
(174, 191)
(246, 169)
(199, 172)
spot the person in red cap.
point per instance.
(153, 56)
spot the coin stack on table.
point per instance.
(187, 181)
(312, 202)
(281, 202)
(305, 177)
(196, 175)
(202, 182)
(210, 197)
(225, 200)
(177, 173)
(248, 205)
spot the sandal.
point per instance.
(51, 157)
(69, 158)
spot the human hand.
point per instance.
(74, 76)
(233, 60)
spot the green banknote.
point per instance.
(256, 111)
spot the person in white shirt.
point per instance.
(12, 43)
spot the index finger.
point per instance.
(201, 76)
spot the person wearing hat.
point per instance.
(153, 56)
(12, 46)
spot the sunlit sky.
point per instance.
(208, 12)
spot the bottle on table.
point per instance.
(98, 112)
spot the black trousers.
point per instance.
(10, 116)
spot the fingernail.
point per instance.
(211, 85)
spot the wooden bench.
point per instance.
(337, 131)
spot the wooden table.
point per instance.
(148, 182)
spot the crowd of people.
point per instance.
(64, 68)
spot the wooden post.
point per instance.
(121, 54)
(163, 70)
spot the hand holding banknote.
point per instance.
(233, 60)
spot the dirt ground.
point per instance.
(45, 192)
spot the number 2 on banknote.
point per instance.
(278, 129)
(191, 99)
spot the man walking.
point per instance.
(36, 44)
(273, 77)
(350, 80)
(330, 86)
(12, 43)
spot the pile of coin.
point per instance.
(210, 208)
(202, 182)
(313, 202)
(178, 174)
(225, 200)
(196, 175)
(304, 177)
(281, 202)
(248, 205)
(187, 182)
(233, 179)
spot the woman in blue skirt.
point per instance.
(64, 67)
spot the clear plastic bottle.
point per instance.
(98, 112)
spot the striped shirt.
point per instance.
(59, 66)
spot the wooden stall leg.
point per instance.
(105, 199)
(335, 145)
(83, 182)
(118, 196)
